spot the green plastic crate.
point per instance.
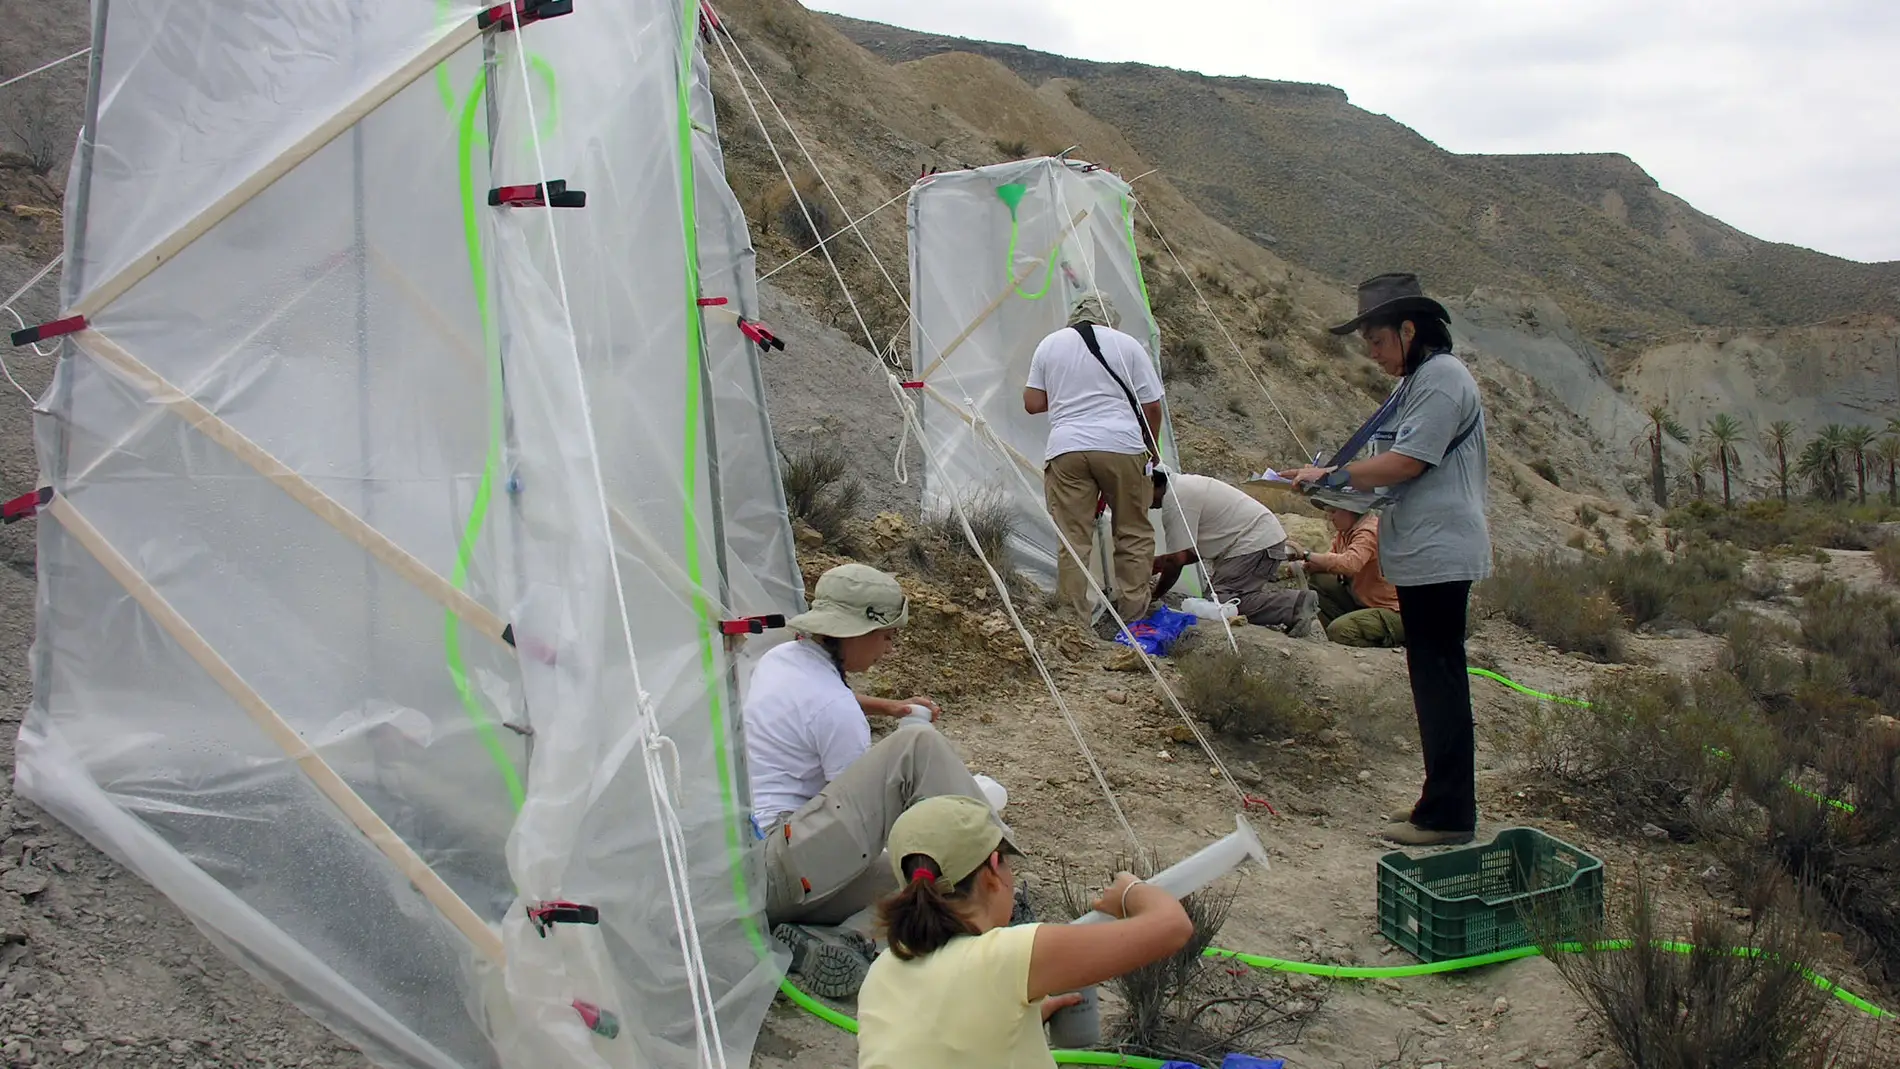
(1477, 899)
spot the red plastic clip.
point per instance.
(519, 13)
(69, 325)
(762, 337)
(711, 302)
(1101, 504)
(546, 915)
(26, 505)
(751, 625)
(550, 194)
(597, 1020)
(913, 384)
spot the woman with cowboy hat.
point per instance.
(960, 986)
(1434, 541)
(823, 797)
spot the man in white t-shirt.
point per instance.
(1239, 539)
(1102, 417)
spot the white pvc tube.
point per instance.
(1207, 865)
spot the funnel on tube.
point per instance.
(1206, 865)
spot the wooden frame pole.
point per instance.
(306, 493)
(321, 775)
(277, 167)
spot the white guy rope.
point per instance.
(10, 310)
(909, 414)
(44, 67)
(1211, 314)
(1082, 564)
(852, 225)
(671, 850)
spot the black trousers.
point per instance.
(1434, 617)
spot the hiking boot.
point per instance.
(1400, 816)
(1107, 629)
(1021, 912)
(1407, 833)
(1306, 618)
(829, 962)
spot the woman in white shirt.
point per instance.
(823, 797)
(961, 986)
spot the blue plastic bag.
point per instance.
(1246, 1061)
(1158, 631)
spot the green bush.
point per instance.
(1762, 524)
(1887, 557)
(1237, 697)
(1560, 601)
(1860, 629)
(1699, 582)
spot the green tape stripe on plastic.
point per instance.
(708, 627)
(1845, 807)
(491, 462)
(1012, 195)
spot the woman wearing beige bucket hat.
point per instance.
(823, 797)
(963, 987)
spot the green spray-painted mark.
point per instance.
(708, 661)
(1012, 197)
(467, 140)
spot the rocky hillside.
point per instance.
(1346, 192)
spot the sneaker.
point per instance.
(829, 962)
(1410, 834)
(1021, 912)
(1400, 816)
(1306, 618)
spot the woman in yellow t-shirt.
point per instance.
(960, 987)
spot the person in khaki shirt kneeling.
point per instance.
(960, 987)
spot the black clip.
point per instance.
(518, 13)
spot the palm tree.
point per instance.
(1888, 452)
(1721, 434)
(1661, 423)
(1858, 442)
(1780, 438)
(1820, 463)
(1696, 469)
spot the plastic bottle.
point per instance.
(1207, 865)
(1211, 610)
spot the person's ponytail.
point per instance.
(921, 918)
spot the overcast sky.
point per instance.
(1779, 118)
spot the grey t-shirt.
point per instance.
(1436, 532)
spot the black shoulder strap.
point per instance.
(1087, 330)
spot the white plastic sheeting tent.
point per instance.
(997, 256)
(392, 527)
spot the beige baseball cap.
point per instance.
(956, 833)
(852, 600)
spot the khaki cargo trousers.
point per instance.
(826, 862)
(1071, 484)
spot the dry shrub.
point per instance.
(1558, 600)
(1012, 148)
(1546, 471)
(1237, 697)
(799, 211)
(991, 520)
(1186, 1006)
(1649, 749)
(820, 491)
(1887, 557)
(1736, 997)
(1701, 581)
(1860, 629)
(1186, 361)
(1767, 523)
